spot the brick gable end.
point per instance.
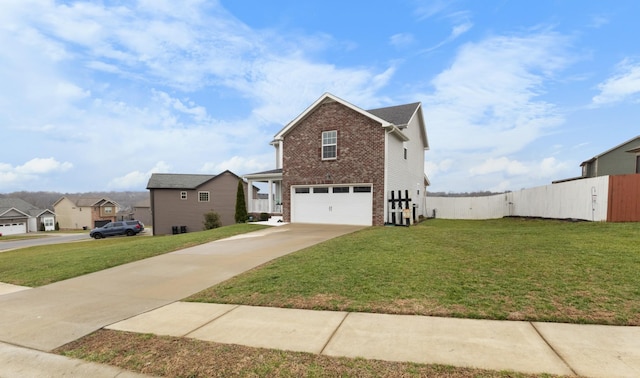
(360, 154)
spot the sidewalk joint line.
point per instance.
(553, 349)
(211, 321)
(333, 333)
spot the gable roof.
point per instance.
(393, 118)
(614, 148)
(16, 203)
(399, 115)
(177, 180)
(81, 201)
(326, 98)
(21, 206)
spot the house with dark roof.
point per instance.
(180, 201)
(19, 217)
(339, 164)
(80, 212)
(620, 160)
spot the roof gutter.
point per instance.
(393, 129)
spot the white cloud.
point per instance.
(402, 40)
(431, 8)
(35, 170)
(137, 180)
(241, 165)
(623, 85)
(42, 166)
(502, 164)
(491, 109)
(460, 29)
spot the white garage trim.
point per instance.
(332, 204)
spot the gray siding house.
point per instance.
(620, 160)
(19, 217)
(181, 200)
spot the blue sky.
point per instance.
(97, 95)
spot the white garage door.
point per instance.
(343, 204)
(13, 228)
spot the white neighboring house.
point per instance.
(19, 217)
(337, 163)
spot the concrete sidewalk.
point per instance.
(563, 349)
(21, 362)
(50, 316)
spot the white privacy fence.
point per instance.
(580, 199)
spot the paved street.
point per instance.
(48, 239)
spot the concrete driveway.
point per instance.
(50, 316)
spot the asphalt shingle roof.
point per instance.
(399, 115)
(177, 181)
(19, 204)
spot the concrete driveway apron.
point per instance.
(53, 315)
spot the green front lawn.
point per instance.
(500, 269)
(41, 265)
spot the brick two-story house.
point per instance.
(339, 164)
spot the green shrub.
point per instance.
(211, 220)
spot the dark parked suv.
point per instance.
(128, 227)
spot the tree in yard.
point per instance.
(211, 220)
(241, 206)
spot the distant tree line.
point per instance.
(45, 200)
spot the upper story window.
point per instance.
(329, 145)
(404, 150)
(203, 196)
(108, 210)
(183, 195)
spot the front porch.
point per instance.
(272, 204)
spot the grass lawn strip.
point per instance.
(535, 270)
(182, 357)
(42, 265)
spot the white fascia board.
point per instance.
(323, 98)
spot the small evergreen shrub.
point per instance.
(211, 220)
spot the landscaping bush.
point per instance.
(264, 216)
(211, 220)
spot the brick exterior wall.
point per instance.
(360, 158)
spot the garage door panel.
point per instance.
(13, 228)
(323, 205)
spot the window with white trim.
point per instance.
(404, 149)
(183, 195)
(203, 196)
(329, 145)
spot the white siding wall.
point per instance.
(581, 199)
(407, 174)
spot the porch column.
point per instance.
(270, 196)
(250, 196)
